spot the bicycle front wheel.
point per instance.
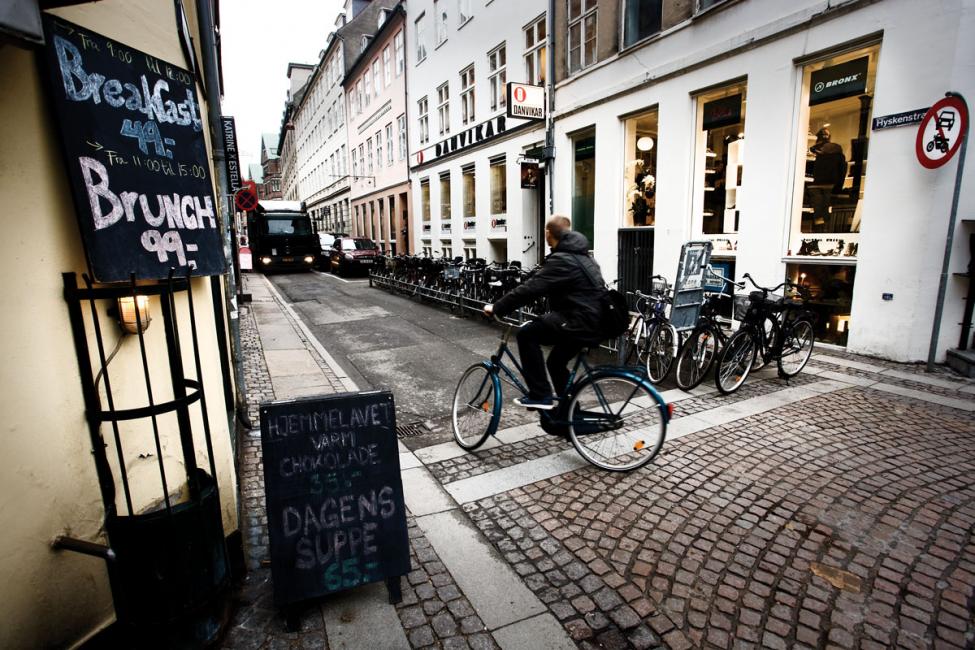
(476, 407)
(797, 347)
(660, 351)
(696, 357)
(735, 362)
(616, 422)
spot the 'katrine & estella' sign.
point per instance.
(132, 135)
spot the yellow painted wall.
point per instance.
(48, 484)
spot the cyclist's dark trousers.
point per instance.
(531, 338)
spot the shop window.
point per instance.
(425, 199)
(641, 18)
(582, 34)
(499, 187)
(720, 164)
(469, 191)
(837, 98)
(640, 173)
(445, 196)
(830, 289)
(584, 185)
(535, 52)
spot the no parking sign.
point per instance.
(941, 131)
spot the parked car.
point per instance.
(352, 254)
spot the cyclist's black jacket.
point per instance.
(574, 299)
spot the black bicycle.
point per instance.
(773, 328)
(651, 341)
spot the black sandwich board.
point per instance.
(132, 138)
(689, 285)
(335, 511)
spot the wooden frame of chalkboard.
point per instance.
(335, 510)
(133, 143)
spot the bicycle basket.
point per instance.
(742, 302)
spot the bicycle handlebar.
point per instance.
(773, 289)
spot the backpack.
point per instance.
(615, 316)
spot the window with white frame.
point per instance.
(464, 12)
(421, 37)
(379, 149)
(641, 19)
(535, 52)
(445, 196)
(401, 127)
(582, 34)
(440, 13)
(367, 80)
(389, 144)
(467, 95)
(470, 249)
(377, 79)
(362, 160)
(355, 162)
(400, 51)
(470, 189)
(443, 108)
(341, 111)
(387, 66)
(497, 71)
(369, 159)
(499, 187)
(424, 123)
(358, 95)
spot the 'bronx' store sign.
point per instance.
(471, 137)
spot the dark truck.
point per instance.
(281, 237)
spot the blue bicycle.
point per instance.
(614, 417)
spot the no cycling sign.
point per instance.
(941, 132)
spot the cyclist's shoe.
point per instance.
(542, 404)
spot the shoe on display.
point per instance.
(537, 404)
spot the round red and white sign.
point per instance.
(520, 94)
(941, 131)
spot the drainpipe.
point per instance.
(208, 49)
(549, 119)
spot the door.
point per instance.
(635, 260)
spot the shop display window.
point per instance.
(445, 196)
(499, 187)
(584, 184)
(720, 165)
(469, 190)
(831, 170)
(425, 199)
(830, 288)
(640, 171)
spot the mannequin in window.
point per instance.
(829, 170)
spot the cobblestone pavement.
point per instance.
(844, 520)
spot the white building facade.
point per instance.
(321, 142)
(464, 151)
(715, 128)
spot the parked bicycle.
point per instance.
(702, 345)
(615, 419)
(774, 328)
(651, 340)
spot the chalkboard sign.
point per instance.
(132, 136)
(335, 509)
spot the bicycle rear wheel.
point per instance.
(735, 362)
(660, 351)
(797, 347)
(696, 357)
(616, 422)
(476, 406)
(633, 344)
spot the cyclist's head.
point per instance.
(556, 228)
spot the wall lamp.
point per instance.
(133, 312)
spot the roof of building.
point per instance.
(255, 172)
(364, 24)
(269, 142)
(376, 37)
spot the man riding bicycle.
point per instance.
(573, 284)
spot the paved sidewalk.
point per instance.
(835, 510)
